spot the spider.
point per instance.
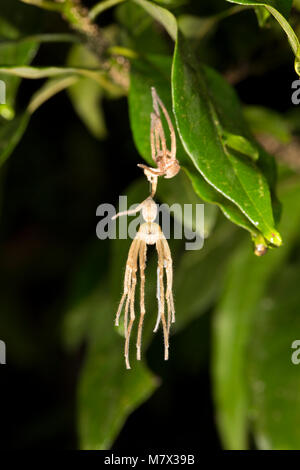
(149, 233)
(167, 165)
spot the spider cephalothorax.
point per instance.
(165, 159)
(149, 233)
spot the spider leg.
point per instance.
(129, 294)
(152, 171)
(127, 284)
(158, 301)
(168, 264)
(156, 103)
(161, 303)
(130, 212)
(142, 260)
(132, 318)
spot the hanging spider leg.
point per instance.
(158, 301)
(132, 318)
(168, 265)
(161, 303)
(127, 284)
(142, 261)
(129, 294)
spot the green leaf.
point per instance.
(102, 6)
(280, 9)
(274, 381)
(45, 72)
(183, 193)
(240, 144)
(156, 71)
(262, 16)
(246, 281)
(163, 16)
(86, 95)
(206, 108)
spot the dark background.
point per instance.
(50, 189)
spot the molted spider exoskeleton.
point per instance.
(165, 159)
(149, 233)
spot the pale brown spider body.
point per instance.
(149, 233)
(165, 159)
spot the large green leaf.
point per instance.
(207, 110)
(156, 71)
(274, 380)
(280, 9)
(247, 278)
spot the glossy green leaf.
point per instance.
(280, 9)
(206, 107)
(247, 278)
(156, 71)
(183, 193)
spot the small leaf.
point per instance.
(102, 6)
(86, 95)
(241, 144)
(206, 107)
(163, 16)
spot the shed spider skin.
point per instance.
(149, 233)
(165, 159)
